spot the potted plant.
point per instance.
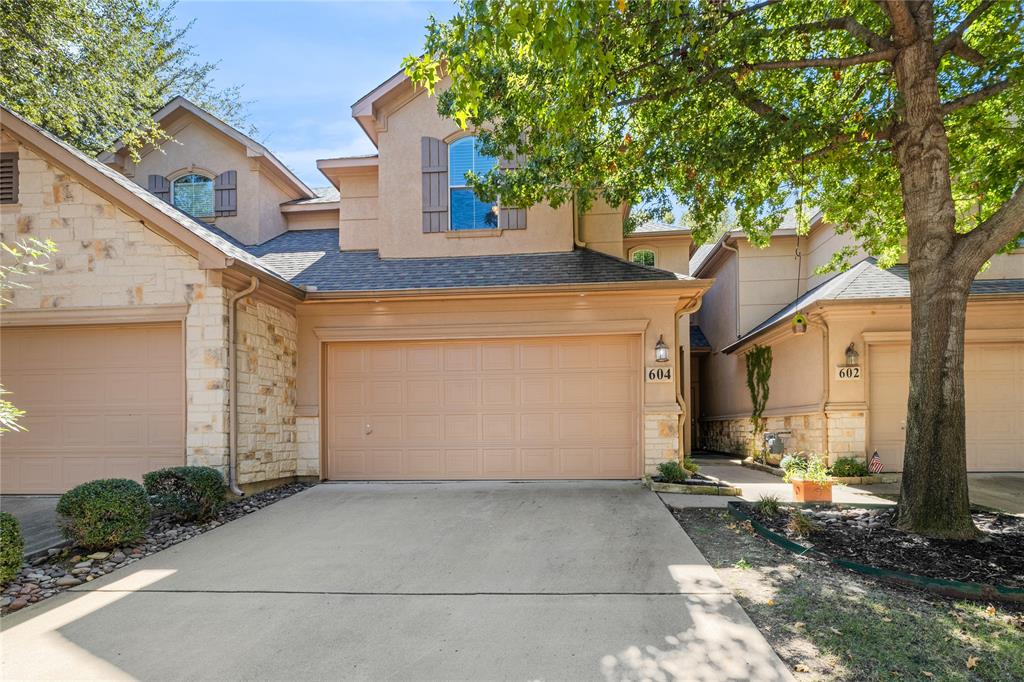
(809, 477)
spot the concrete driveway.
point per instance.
(560, 580)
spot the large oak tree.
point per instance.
(901, 120)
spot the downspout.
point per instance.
(233, 389)
(820, 322)
(736, 288)
(680, 427)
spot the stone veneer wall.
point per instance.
(846, 434)
(107, 258)
(267, 444)
(661, 439)
(308, 434)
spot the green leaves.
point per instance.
(709, 123)
(91, 71)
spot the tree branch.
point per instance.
(975, 97)
(819, 62)
(845, 138)
(967, 53)
(981, 243)
(956, 36)
(848, 24)
(904, 26)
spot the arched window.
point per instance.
(643, 257)
(468, 212)
(193, 194)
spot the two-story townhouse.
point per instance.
(415, 333)
(840, 373)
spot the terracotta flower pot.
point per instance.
(811, 491)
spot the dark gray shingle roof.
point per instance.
(867, 281)
(312, 258)
(697, 339)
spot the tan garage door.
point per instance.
(994, 393)
(493, 409)
(100, 402)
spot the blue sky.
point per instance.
(303, 64)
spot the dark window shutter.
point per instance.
(161, 187)
(8, 177)
(435, 184)
(512, 218)
(225, 194)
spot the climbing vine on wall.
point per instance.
(759, 370)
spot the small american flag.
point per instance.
(875, 465)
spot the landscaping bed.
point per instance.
(829, 624)
(61, 569)
(695, 484)
(867, 536)
(841, 480)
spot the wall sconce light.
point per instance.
(799, 324)
(661, 349)
(852, 356)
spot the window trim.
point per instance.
(451, 142)
(640, 249)
(212, 177)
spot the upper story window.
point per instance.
(643, 257)
(193, 194)
(468, 212)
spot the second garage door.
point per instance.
(542, 408)
(100, 402)
(993, 393)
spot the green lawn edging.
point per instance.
(949, 588)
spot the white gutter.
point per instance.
(233, 388)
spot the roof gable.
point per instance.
(179, 106)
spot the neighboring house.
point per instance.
(815, 401)
(418, 334)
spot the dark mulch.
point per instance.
(868, 536)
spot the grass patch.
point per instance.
(829, 624)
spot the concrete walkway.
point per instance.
(1002, 492)
(561, 580)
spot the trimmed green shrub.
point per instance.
(104, 514)
(674, 472)
(188, 493)
(848, 467)
(768, 505)
(11, 547)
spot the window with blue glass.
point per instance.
(467, 211)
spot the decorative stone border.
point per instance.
(840, 480)
(724, 488)
(949, 588)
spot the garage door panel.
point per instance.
(100, 401)
(502, 408)
(994, 399)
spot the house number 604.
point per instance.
(656, 374)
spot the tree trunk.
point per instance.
(933, 493)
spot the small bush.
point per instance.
(847, 467)
(800, 468)
(188, 493)
(11, 547)
(768, 505)
(801, 526)
(104, 514)
(690, 465)
(672, 472)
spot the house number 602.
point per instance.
(846, 373)
(656, 374)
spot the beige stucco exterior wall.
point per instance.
(197, 146)
(400, 206)
(601, 228)
(520, 316)
(359, 214)
(108, 263)
(1005, 266)
(670, 253)
(769, 279)
(312, 220)
(821, 245)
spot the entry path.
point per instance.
(481, 581)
